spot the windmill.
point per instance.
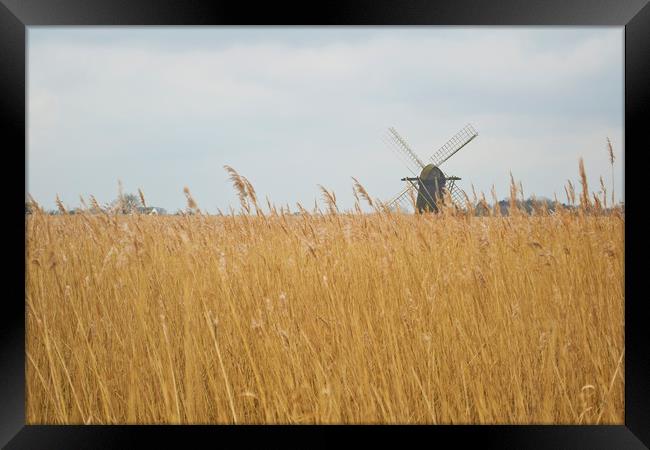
(428, 180)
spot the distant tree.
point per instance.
(126, 204)
(529, 206)
(152, 210)
(185, 212)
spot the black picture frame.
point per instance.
(16, 15)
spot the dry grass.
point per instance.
(352, 318)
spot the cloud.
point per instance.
(294, 108)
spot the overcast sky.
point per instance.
(289, 108)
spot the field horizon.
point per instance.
(326, 317)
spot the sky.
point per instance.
(291, 108)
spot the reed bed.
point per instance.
(325, 317)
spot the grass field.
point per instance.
(354, 318)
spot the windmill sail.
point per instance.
(457, 196)
(412, 166)
(404, 205)
(460, 140)
(402, 200)
(398, 143)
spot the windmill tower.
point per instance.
(428, 180)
